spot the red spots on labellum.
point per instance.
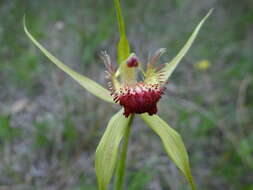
(139, 99)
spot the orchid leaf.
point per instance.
(170, 67)
(123, 45)
(107, 150)
(85, 82)
(173, 144)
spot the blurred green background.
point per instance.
(50, 126)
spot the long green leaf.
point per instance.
(123, 46)
(170, 67)
(85, 82)
(173, 144)
(107, 150)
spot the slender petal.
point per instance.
(170, 67)
(154, 74)
(173, 144)
(107, 150)
(85, 82)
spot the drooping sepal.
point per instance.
(107, 150)
(173, 145)
(85, 82)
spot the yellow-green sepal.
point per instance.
(85, 82)
(107, 150)
(173, 144)
(123, 45)
(170, 67)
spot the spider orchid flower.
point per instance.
(136, 97)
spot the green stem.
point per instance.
(120, 173)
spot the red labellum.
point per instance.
(139, 99)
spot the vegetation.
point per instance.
(50, 127)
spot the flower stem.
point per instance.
(120, 173)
